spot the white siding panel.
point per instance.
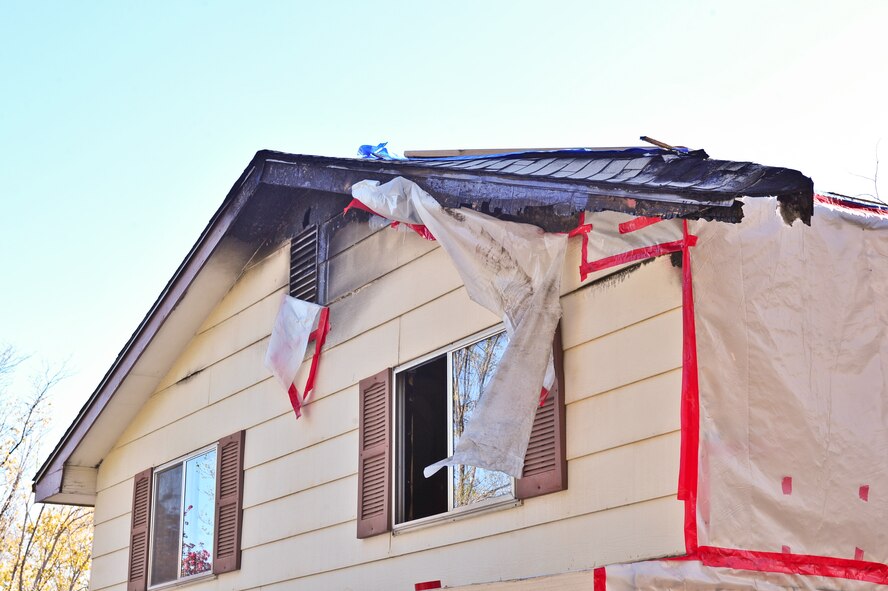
(113, 501)
(238, 371)
(615, 478)
(580, 581)
(347, 363)
(111, 536)
(299, 513)
(392, 295)
(645, 530)
(596, 310)
(233, 334)
(442, 321)
(623, 345)
(327, 461)
(632, 413)
(322, 419)
(635, 473)
(110, 569)
(171, 404)
(249, 407)
(644, 349)
(371, 258)
(260, 280)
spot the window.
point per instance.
(435, 402)
(186, 516)
(183, 510)
(412, 416)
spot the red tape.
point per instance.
(294, 400)
(853, 205)
(690, 398)
(599, 579)
(418, 228)
(794, 564)
(582, 230)
(319, 336)
(637, 224)
(544, 394)
(355, 204)
(645, 252)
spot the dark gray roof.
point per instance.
(640, 181)
(692, 171)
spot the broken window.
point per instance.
(436, 400)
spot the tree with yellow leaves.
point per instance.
(42, 547)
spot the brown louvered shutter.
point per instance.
(229, 498)
(137, 576)
(545, 464)
(304, 265)
(374, 455)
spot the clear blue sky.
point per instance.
(123, 125)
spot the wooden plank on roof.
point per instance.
(488, 151)
(473, 152)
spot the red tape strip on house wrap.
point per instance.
(319, 336)
(645, 252)
(690, 398)
(418, 228)
(599, 579)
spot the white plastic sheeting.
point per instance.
(792, 345)
(292, 330)
(692, 575)
(514, 270)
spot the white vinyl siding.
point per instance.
(622, 342)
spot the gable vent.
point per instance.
(304, 265)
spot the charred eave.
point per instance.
(553, 204)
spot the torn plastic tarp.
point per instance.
(297, 323)
(514, 270)
(792, 333)
(377, 152)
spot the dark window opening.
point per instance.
(436, 402)
(425, 432)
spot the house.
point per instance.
(201, 474)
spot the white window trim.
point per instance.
(190, 578)
(452, 513)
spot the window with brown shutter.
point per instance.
(229, 498)
(186, 517)
(433, 401)
(545, 463)
(374, 455)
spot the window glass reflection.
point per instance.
(167, 514)
(473, 366)
(199, 514)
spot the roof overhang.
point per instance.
(278, 194)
